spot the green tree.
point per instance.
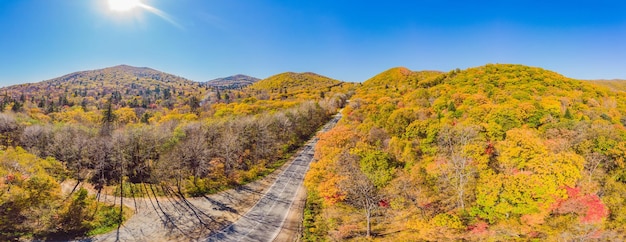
(17, 106)
(108, 119)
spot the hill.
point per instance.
(400, 76)
(232, 82)
(136, 87)
(305, 85)
(290, 81)
(500, 152)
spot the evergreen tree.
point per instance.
(17, 106)
(568, 114)
(108, 119)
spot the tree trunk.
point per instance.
(368, 215)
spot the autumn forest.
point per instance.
(497, 152)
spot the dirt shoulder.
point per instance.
(174, 218)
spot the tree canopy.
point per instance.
(503, 152)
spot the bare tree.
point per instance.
(452, 140)
(280, 125)
(593, 162)
(70, 145)
(229, 146)
(256, 138)
(8, 130)
(192, 152)
(139, 147)
(36, 138)
(100, 152)
(263, 143)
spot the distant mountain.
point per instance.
(232, 82)
(124, 85)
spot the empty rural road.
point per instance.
(254, 212)
(264, 220)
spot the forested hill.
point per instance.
(295, 81)
(123, 85)
(502, 152)
(400, 76)
(300, 85)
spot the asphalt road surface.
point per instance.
(264, 220)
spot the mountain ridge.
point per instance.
(122, 84)
(234, 81)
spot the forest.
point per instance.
(135, 132)
(497, 152)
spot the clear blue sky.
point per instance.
(349, 40)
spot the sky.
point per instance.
(349, 40)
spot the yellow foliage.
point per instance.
(521, 147)
(75, 115)
(126, 115)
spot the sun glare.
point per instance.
(123, 5)
(128, 5)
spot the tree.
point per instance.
(70, 145)
(359, 190)
(568, 114)
(124, 116)
(193, 153)
(459, 171)
(593, 161)
(529, 180)
(137, 148)
(108, 119)
(36, 138)
(376, 165)
(230, 149)
(73, 218)
(29, 195)
(227, 97)
(101, 152)
(194, 103)
(17, 106)
(9, 130)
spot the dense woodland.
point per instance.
(498, 152)
(136, 132)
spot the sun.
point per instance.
(123, 5)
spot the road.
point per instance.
(253, 212)
(174, 218)
(265, 219)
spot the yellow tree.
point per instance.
(528, 181)
(126, 115)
